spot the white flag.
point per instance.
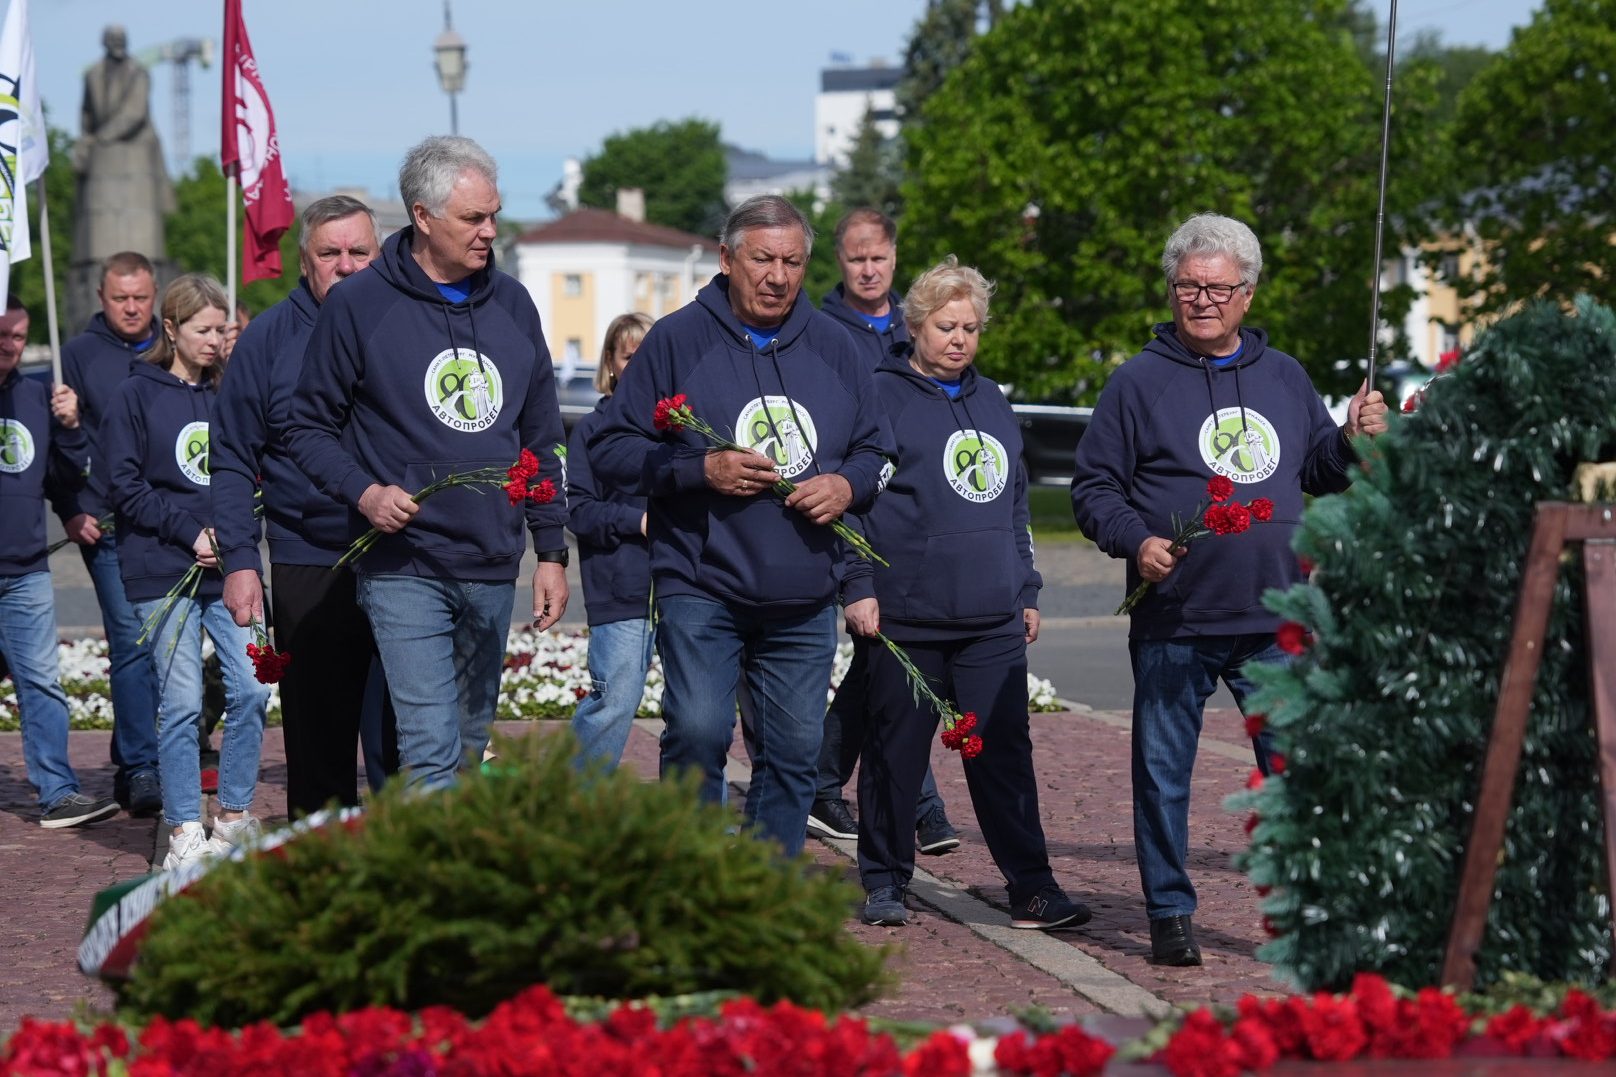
(24, 149)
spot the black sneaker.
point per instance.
(934, 836)
(884, 906)
(76, 809)
(1049, 908)
(832, 819)
(145, 796)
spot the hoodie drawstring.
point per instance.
(768, 415)
(1206, 368)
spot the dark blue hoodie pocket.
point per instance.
(476, 523)
(964, 575)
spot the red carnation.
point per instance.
(1276, 764)
(1254, 780)
(1447, 361)
(1217, 519)
(967, 722)
(543, 493)
(516, 490)
(1239, 517)
(269, 665)
(1262, 509)
(1255, 723)
(667, 415)
(972, 747)
(1220, 488)
(1291, 638)
(1516, 1028)
(527, 464)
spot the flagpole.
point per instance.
(1380, 209)
(230, 238)
(50, 283)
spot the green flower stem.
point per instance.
(483, 476)
(921, 687)
(107, 524)
(1185, 532)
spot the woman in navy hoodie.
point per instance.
(157, 452)
(609, 522)
(961, 598)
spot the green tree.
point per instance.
(1457, 66)
(823, 272)
(28, 278)
(939, 43)
(196, 236)
(1060, 168)
(680, 166)
(1532, 146)
(874, 171)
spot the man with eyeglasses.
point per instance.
(1206, 397)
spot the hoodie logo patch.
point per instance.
(191, 453)
(464, 393)
(1243, 449)
(976, 465)
(769, 425)
(16, 447)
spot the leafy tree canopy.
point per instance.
(680, 166)
(1078, 133)
(196, 236)
(873, 172)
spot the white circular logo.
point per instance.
(16, 447)
(464, 390)
(191, 453)
(976, 465)
(1240, 444)
(769, 425)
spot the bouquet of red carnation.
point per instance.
(672, 413)
(957, 727)
(1215, 515)
(269, 665)
(513, 480)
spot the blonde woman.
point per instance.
(157, 445)
(609, 523)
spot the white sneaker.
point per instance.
(188, 846)
(230, 835)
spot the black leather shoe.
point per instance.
(1172, 942)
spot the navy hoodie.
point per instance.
(39, 459)
(400, 386)
(156, 439)
(1167, 421)
(95, 363)
(613, 557)
(873, 344)
(953, 519)
(821, 418)
(305, 526)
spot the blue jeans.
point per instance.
(706, 647)
(176, 650)
(28, 640)
(133, 682)
(1173, 679)
(442, 644)
(619, 656)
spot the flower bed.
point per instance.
(545, 675)
(536, 1034)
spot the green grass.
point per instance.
(1052, 515)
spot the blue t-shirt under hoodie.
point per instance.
(401, 387)
(874, 340)
(953, 517)
(806, 402)
(156, 443)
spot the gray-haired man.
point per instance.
(431, 364)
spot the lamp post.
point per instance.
(450, 61)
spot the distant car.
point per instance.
(576, 395)
(1049, 437)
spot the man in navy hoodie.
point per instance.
(95, 363)
(1206, 397)
(316, 616)
(867, 254)
(43, 454)
(745, 581)
(434, 363)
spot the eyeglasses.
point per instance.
(1187, 291)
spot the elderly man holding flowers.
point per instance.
(1206, 400)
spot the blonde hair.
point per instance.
(624, 328)
(941, 285)
(184, 299)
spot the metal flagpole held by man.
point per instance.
(1380, 208)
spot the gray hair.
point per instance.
(322, 211)
(1212, 233)
(766, 211)
(941, 285)
(431, 168)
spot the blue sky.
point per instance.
(352, 82)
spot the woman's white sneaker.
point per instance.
(235, 833)
(190, 845)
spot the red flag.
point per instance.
(248, 142)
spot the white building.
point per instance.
(845, 95)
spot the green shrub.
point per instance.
(1384, 722)
(594, 884)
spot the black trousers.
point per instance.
(323, 694)
(984, 674)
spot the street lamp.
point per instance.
(450, 48)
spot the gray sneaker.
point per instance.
(884, 906)
(933, 834)
(76, 809)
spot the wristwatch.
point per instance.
(561, 557)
